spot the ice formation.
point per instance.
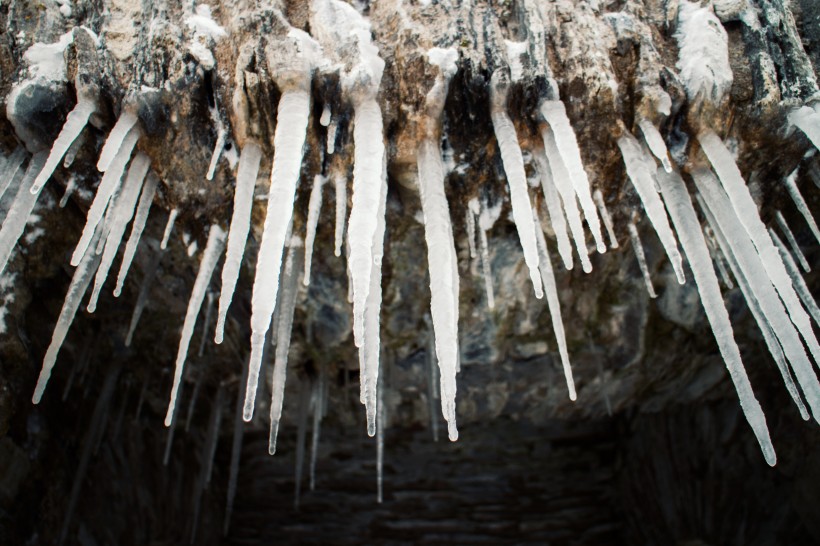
(238, 233)
(70, 186)
(807, 120)
(213, 249)
(169, 227)
(784, 227)
(703, 55)
(10, 169)
(116, 139)
(639, 253)
(15, 222)
(797, 197)
(485, 221)
(555, 208)
(314, 209)
(610, 227)
(340, 185)
(149, 189)
(799, 283)
(655, 142)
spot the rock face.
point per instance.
(654, 449)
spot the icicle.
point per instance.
(140, 217)
(122, 213)
(746, 210)
(142, 297)
(74, 124)
(638, 248)
(725, 222)
(554, 207)
(642, 174)
(808, 121)
(380, 440)
(209, 308)
(691, 238)
(69, 189)
(216, 241)
(169, 227)
(76, 290)
(516, 179)
(116, 139)
(559, 175)
(784, 227)
(797, 197)
(555, 114)
(469, 222)
(553, 304)
(221, 135)
(486, 267)
(108, 185)
(236, 451)
(314, 210)
(610, 228)
(340, 184)
(324, 120)
(15, 222)
(73, 150)
(287, 304)
(238, 235)
(330, 145)
(799, 283)
(289, 140)
(717, 258)
(655, 142)
(11, 168)
(318, 410)
(301, 432)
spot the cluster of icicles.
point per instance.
(763, 268)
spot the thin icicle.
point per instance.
(691, 238)
(746, 210)
(638, 248)
(76, 291)
(238, 235)
(116, 139)
(718, 258)
(149, 189)
(641, 171)
(11, 168)
(610, 227)
(553, 304)
(784, 227)
(123, 211)
(469, 222)
(808, 121)
(314, 210)
(287, 304)
(555, 114)
(74, 124)
(724, 221)
(213, 249)
(340, 184)
(236, 452)
(655, 142)
(516, 179)
(15, 222)
(289, 140)
(797, 197)
(324, 120)
(799, 283)
(318, 411)
(221, 135)
(559, 175)
(73, 150)
(108, 185)
(554, 208)
(69, 189)
(206, 326)
(301, 433)
(142, 297)
(486, 267)
(169, 228)
(330, 145)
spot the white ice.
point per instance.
(639, 253)
(314, 210)
(340, 184)
(116, 139)
(554, 207)
(784, 227)
(655, 142)
(149, 189)
(798, 281)
(169, 228)
(791, 185)
(69, 189)
(11, 168)
(808, 121)
(15, 222)
(703, 53)
(610, 227)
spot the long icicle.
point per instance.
(288, 142)
(213, 249)
(108, 185)
(554, 207)
(76, 290)
(639, 253)
(169, 228)
(314, 210)
(691, 238)
(486, 266)
(11, 168)
(238, 234)
(784, 227)
(15, 222)
(798, 281)
(797, 197)
(116, 139)
(548, 277)
(340, 184)
(149, 189)
(607, 218)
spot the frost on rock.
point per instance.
(738, 243)
(639, 253)
(555, 208)
(784, 227)
(149, 189)
(123, 210)
(797, 197)
(561, 179)
(314, 209)
(691, 237)
(76, 291)
(553, 303)
(807, 120)
(340, 185)
(610, 227)
(238, 235)
(116, 139)
(746, 211)
(108, 186)
(641, 172)
(15, 222)
(555, 115)
(169, 228)
(516, 178)
(655, 142)
(799, 283)
(213, 249)
(703, 54)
